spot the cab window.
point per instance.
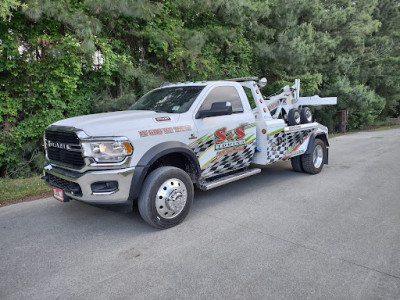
(223, 94)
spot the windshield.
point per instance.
(171, 100)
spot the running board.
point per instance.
(230, 178)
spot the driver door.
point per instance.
(227, 142)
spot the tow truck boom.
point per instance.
(293, 107)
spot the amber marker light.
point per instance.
(128, 148)
(265, 110)
(264, 131)
(257, 91)
(260, 100)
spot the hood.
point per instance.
(116, 123)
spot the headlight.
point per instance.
(107, 150)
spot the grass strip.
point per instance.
(372, 128)
(13, 190)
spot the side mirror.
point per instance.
(217, 109)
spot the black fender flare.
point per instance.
(310, 146)
(154, 153)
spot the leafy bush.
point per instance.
(363, 105)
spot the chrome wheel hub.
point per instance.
(318, 156)
(297, 117)
(171, 198)
(308, 116)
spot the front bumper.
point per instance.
(78, 186)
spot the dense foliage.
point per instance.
(70, 57)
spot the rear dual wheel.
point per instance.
(296, 164)
(311, 163)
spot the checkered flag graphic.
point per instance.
(199, 148)
(292, 139)
(230, 162)
(276, 147)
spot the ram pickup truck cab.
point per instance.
(178, 136)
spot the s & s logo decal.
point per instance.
(232, 138)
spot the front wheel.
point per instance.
(312, 163)
(166, 197)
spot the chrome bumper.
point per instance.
(85, 180)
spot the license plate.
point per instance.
(58, 194)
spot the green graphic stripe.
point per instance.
(249, 137)
(250, 141)
(276, 131)
(208, 162)
(209, 137)
(198, 140)
(212, 146)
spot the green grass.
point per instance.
(15, 189)
(383, 128)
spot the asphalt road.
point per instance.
(278, 234)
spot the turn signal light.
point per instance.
(128, 148)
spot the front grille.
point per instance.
(71, 158)
(65, 185)
(62, 137)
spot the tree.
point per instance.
(70, 57)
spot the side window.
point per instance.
(249, 97)
(222, 94)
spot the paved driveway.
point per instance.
(278, 234)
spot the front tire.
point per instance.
(166, 197)
(313, 163)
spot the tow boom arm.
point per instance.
(290, 99)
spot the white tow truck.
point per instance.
(178, 136)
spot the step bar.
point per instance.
(230, 178)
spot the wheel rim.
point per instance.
(308, 116)
(318, 156)
(171, 198)
(297, 117)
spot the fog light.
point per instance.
(104, 186)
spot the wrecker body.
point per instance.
(178, 136)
